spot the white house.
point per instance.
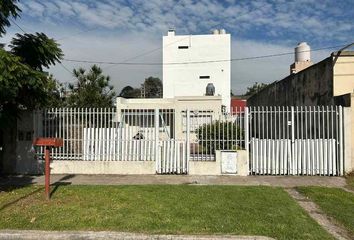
(190, 62)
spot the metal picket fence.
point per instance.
(296, 140)
(279, 140)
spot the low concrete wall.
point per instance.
(242, 163)
(103, 167)
(145, 167)
(214, 167)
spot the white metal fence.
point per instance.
(296, 140)
(280, 140)
(172, 158)
(211, 131)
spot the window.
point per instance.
(183, 47)
(204, 77)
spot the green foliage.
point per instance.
(218, 135)
(153, 87)
(18, 81)
(22, 83)
(20, 86)
(8, 9)
(36, 50)
(255, 88)
(56, 90)
(130, 92)
(91, 90)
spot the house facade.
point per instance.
(191, 62)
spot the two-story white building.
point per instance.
(191, 62)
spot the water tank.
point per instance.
(171, 32)
(210, 90)
(215, 31)
(302, 52)
(222, 31)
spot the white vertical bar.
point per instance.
(156, 140)
(246, 136)
(341, 142)
(188, 139)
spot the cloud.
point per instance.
(124, 28)
(288, 18)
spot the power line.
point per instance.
(156, 49)
(79, 32)
(199, 62)
(17, 25)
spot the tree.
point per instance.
(91, 90)
(23, 85)
(20, 86)
(57, 92)
(130, 92)
(8, 8)
(153, 87)
(255, 88)
(36, 50)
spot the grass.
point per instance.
(350, 180)
(164, 209)
(335, 202)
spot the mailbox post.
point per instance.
(48, 143)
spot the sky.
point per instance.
(120, 30)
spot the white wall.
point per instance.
(183, 79)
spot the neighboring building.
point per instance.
(324, 83)
(183, 75)
(238, 105)
(204, 109)
(302, 58)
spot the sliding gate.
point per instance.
(296, 140)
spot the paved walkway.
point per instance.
(337, 231)
(279, 181)
(68, 235)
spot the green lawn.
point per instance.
(335, 202)
(350, 180)
(171, 209)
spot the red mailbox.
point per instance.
(48, 143)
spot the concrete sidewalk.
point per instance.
(279, 181)
(66, 235)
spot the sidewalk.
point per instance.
(66, 235)
(277, 181)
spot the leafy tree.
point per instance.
(91, 90)
(130, 92)
(153, 87)
(20, 86)
(36, 50)
(8, 8)
(23, 85)
(255, 88)
(56, 90)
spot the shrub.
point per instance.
(219, 135)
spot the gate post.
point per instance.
(188, 138)
(292, 160)
(246, 136)
(157, 129)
